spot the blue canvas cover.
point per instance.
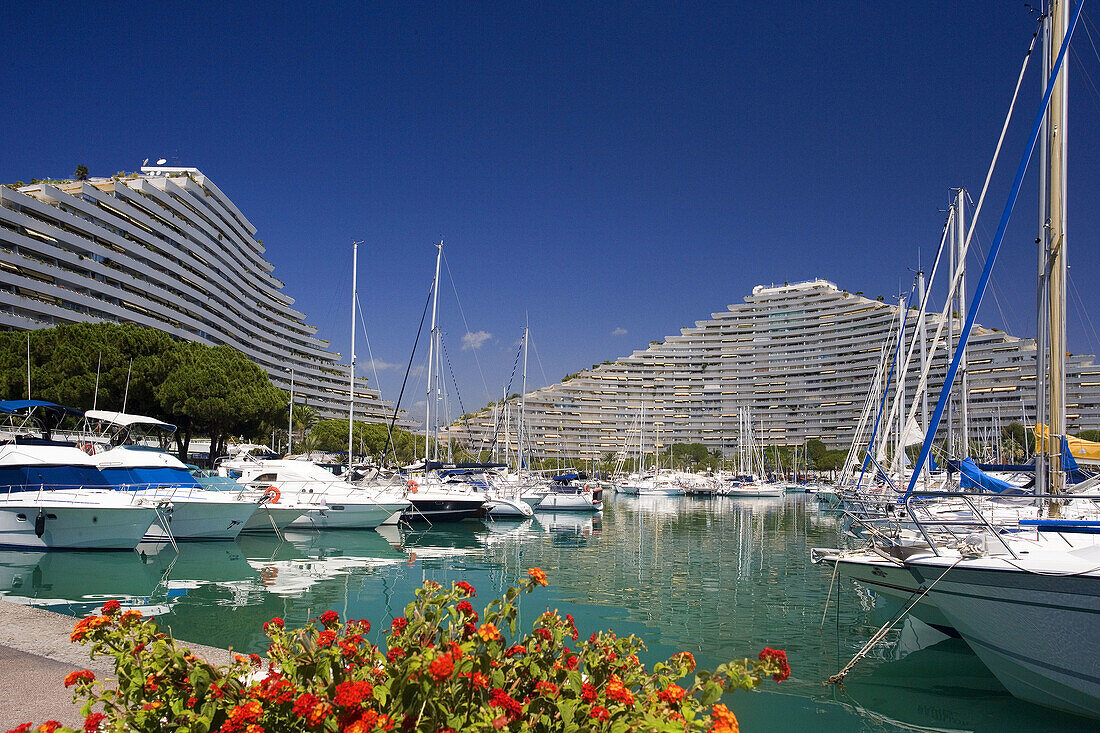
(974, 478)
(33, 478)
(143, 477)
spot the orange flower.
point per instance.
(672, 693)
(84, 675)
(488, 632)
(537, 575)
(724, 721)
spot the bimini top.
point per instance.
(11, 406)
(125, 420)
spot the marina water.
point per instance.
(722, 578)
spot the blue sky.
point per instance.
(610, 171)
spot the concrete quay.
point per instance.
(35, 656)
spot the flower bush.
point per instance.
(446, 668)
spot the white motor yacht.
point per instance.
(53, 497)
(328, 502)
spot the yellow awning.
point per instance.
(1082, 450)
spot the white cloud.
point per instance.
(369, 367)
(475, 340)
(619, 331)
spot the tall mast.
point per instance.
(290, 419)
(351, 367)
(923, 359)
(428, 426)
(964, 382)
(899, 450)
(522, 403)
(1055, 245)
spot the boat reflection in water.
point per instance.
(719, 577)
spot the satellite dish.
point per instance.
(162, 161)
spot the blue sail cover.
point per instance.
(139, 478)
(33, 478)
(975, 478)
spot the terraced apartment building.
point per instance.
(797, 359)
(163, 248)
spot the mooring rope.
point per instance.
(838, 678)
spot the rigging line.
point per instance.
(374, 369)
(538, 359)
(944, 315)
(992, 288)
(397, 405)
(1006, 215)
(1086, 319)
(1088, 77)
(462, 313)
(1088, 34)
(451, 369)
(370, 353)
(504, 402)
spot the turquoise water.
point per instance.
(721, 578)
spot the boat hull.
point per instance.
(73, 526)
(442, 509)
(345, 515)
(1037, 633)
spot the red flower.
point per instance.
(110, 608)
(544, 634)
(275, 623)
(312, 708)
(468, 629)
(398, 624)
(394, 654)
(599, 713)
(466, 588)
(91, 723)
(588, 692)
(442, 667)
(477, 679)
(542, 687)
(49, 726)
(21, 728)
(84, 675)
(464, 607)
(352, 694)
(328, 618)
(779, 658)
(571, 662)
(501, 699)
(617, 692)
(537, 575)
(514, 650)
(241, 717)
(326, 637)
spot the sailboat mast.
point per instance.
(523, 402)
(1055, 242)
(428, 426)
(964, 382)
(351, 367)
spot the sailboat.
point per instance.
(1025, 601)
